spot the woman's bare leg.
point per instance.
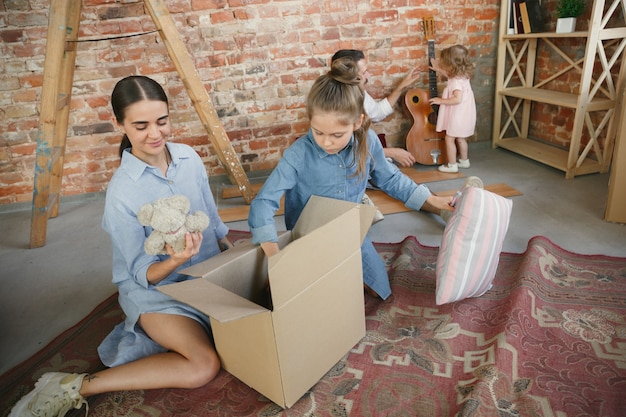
(190, 363)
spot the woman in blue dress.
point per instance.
(162, 343)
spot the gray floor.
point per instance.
(47, 290)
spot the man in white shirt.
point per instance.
(378, 110)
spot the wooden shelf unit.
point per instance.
(594, 105)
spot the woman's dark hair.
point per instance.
(354, 54)
(129, 91)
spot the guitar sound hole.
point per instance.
(416, 99)
(432, 118)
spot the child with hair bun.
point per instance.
(335, 159)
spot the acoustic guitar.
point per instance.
(427, 146)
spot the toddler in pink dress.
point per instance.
(457, 107)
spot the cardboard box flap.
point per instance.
(321, 325)
(310, 258)
(321, 210)
(238, 254)
(247, 350)
(213, 300)
(231, 255)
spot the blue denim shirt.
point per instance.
(134, 184)
(306, 169)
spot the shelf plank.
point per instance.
(557, 98)
(606, 33)
(539, 35)
(547, 154)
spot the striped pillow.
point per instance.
(471, 245)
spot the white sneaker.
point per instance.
(473, 181)
(464, 163)
(54, 395)
(446, 214)
(452, 168)
(378, 216)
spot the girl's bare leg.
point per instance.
(462, 147)
(450, 149)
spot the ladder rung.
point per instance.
(57, 152)
(62, 100)
(70, 46)
(53, 199)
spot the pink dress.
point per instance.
(458, 120)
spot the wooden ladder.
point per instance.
(56, 95)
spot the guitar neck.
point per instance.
(432, 74)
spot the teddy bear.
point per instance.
(170, 220)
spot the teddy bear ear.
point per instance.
(144, 215)
(182, 202)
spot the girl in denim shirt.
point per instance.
(334, 159)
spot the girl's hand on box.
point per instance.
(270, 248)
(225, 244)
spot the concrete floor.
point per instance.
(47, 290)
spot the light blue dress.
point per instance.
(134, 184)
(306, 169)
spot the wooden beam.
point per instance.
(200, 98)
(53, 119)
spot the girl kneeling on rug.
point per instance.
(162, 343)
(334, 159)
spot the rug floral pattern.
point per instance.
(549, 340)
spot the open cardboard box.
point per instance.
(316, 290)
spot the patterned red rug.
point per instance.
(549, 339)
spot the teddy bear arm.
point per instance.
(155, 244)
(197, 222)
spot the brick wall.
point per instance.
(256, 58)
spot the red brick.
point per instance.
(29, 50)
(222, 16)
(380, 16)
(258, 144)
(31, 80)
(242, 14)
(11, 36)
(16, 193)
(208, 4)
(239, 3)
(121, 11)
(23, 95)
